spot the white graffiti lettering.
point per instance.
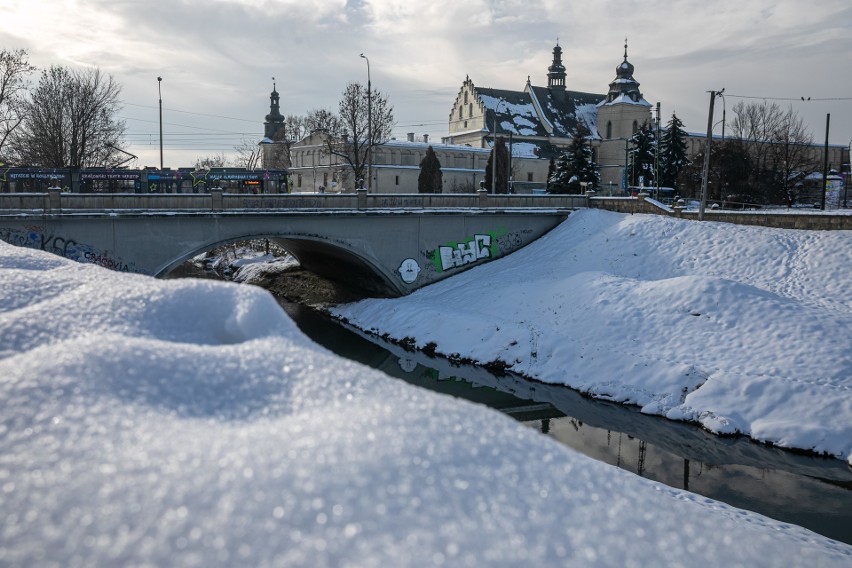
(465, 253)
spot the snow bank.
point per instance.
(189, 423)
(742, 329)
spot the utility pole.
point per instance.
(825, 163)
(706, 175)
(160, 93)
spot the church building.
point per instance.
(543, 120)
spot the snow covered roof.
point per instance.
(539, 111)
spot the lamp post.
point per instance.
(369, 126)
(160, 93)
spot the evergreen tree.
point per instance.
(502, 153)
(574, 166)
(559, 181)
(430, 178)
(580, 158)
(641, 168)
(674, 156)
(551, 167)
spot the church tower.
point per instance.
(274, 120)
(274, 153)
(556, 71)
(620, 115)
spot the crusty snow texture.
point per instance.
(189, 423)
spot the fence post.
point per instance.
(361, 194)
(216, 202)
(54, 199)
(483, 196)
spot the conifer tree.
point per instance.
(580, 158)
(559, 181)
(674, 156)
(551, 167)
(642, 157)
(430, 178)
(502, 185)
(574, 166)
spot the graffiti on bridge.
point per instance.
(36, 237)
(452, 255)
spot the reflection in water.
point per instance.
(811, 492)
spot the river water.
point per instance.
(812, 492)
(815, 493)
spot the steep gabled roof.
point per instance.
(539, 111)
(564, 109)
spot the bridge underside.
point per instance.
(338, 265)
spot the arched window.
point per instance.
(635, 127)
(609, 129)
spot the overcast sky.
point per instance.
(217, 58)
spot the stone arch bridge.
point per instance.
(387, 244)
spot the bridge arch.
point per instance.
(336, 261)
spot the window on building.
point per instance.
(609, 130)
(299, 181)
(465, 97)
(470, 110)
(529, 176)
(460, 112)
(635, 127)
(396, 180)
(325, 179)
(465, 124)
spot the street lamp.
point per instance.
(160, 93)
(369, 126)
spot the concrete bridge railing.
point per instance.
(216, 200)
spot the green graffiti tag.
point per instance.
(454, 254)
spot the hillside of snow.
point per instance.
(745, 330)
(189, 423)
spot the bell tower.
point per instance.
(556, 71)
(274, 120)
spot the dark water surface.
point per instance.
(815, 493)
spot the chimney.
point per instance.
(410, 137)
(425, 138)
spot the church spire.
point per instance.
(274, 120)
(556, 71)
(624, 85)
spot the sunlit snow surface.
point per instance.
(189, 423)
(743, 329)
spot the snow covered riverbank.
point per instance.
(742, 329)
(189, 423)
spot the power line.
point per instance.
(194, 113)
(790, 98)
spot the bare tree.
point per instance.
(208, 162)
(248, 154)
(71, 120)
(791, 155)
(355, 135)
(778, 145)
(322, 120)
(14, 69)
